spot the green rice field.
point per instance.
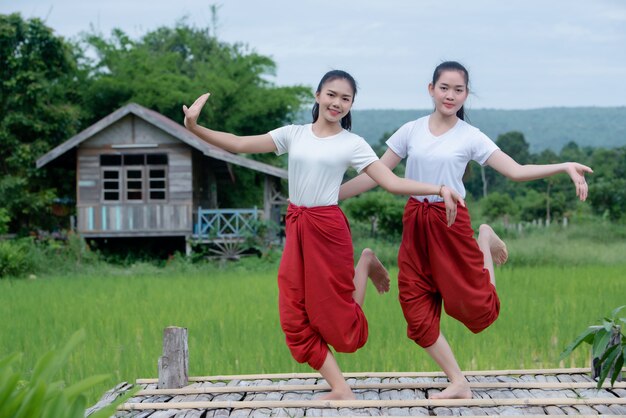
(232, 318)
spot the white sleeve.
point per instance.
(482, 147)
(363, 155)
(282, 138)
(398, 142)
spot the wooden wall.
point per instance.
(130, 220)
(97, 216)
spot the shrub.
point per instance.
(44, 254)
(41, 395)
(498, 205)
(382, 210)
(15, 258)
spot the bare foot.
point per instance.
(499, 253)
(460, 390)
(376, 271)
(336, 395)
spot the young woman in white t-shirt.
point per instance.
(320, 296)
(439, 263)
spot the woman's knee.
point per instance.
(475, 318)
(348, 341)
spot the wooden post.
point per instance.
(595, 363)
(267, 197)
(174, 363)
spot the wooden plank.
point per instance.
(380, 374)
(113, 234)
(94, 175)
(89, 194)
(429, 403)
(381, 386)
(109, 397)
(180, 197)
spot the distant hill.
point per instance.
(543, 128)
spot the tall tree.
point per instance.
(607, 189)
(169, 67)
(38, 86)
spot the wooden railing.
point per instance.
(225, 223)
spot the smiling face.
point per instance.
(335, 100)
(449, 92)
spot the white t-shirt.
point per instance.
(317, 165)
(440, 159)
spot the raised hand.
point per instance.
(451, 198)
(577, 174)
(192, 113)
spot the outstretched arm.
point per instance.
(382, 175)
(224, 140)
(507, 166)
(363, 182)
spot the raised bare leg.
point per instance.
(459, 387)
(339, 389)
(493, 248)
(369, 266)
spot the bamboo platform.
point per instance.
(538, 392)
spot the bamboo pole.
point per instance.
(275, 376)
(372, 403)
(376, 386)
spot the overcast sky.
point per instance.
(520, 54)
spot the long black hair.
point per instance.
(346, 121)
(452, 66)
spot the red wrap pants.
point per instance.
(436, 264)
(316, 283)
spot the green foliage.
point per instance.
(169, 67)
(14, 258)
(380, 209)
(265, 239)
(608, 343)
(27, 256)
(5, 218)
(532, 205)
(38, 110)
(498, 205)
(554, 197)
(514, 144)
(40, 395)
(607, 192)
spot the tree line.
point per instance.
(52, 88)
(547, 200)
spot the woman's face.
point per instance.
(335, 100)
(449, 92)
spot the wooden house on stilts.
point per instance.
(139, 174)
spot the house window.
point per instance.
(134, 183)
(111, 184)
(157, 181)
(134, 177)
